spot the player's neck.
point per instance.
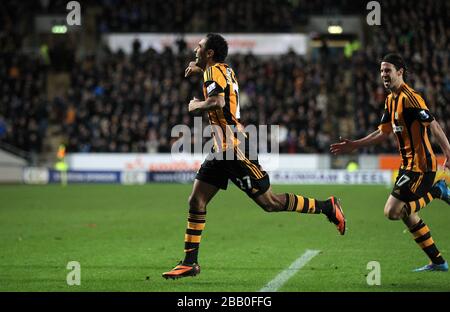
(210, 64)
(396, 90)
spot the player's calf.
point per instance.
(197, 203)
(270, 202)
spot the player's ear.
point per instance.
(210, 53)
(400, 72)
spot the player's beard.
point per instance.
(200, 62)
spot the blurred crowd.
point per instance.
(216, 16)
(129, 103)
(23, 107)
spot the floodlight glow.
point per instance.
(335, 29)
(59, 29)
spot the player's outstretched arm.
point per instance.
(347, 146)
(192, 69)
(437, 132)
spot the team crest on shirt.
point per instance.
(424, 115)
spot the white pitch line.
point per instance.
(283, 277)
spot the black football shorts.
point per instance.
(410, 186)
(245, 173)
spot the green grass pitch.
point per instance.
(121, 235)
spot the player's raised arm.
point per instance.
(437, 132)
(347, 146)
(192, 69)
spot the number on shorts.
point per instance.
(403, 179)
(245, 183)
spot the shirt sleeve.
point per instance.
(385, 123)
(214, 82)
(417, 108)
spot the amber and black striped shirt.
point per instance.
(408, 117)
(220, 79)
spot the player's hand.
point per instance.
(192, 69)
(193, 105)
(344, 147)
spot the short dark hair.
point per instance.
(396, 60)
(219, 45)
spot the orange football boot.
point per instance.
(337, 215)
(182, 270)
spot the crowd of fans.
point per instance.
(23, 107)
(216, 16)
(129, 103)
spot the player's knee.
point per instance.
(196, 203)
(392, 214)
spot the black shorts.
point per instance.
(410, 186)
(246, 174)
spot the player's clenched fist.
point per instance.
(192, 69)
